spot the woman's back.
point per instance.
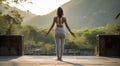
(59, 21)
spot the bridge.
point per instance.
(107, 45)
(51, 61)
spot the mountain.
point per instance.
(91, 13)
(79, 14)
(83, 14)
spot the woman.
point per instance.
(60, 34)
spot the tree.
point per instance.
(11, 19)
(91, 35)
(30, 33)
(15, 1)
(3, 26)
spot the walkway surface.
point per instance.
(51, 61)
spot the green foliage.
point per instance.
(48, 48)
(9, 22)
(114, 29)
(15, 1)
(86, 39)
(3, 26)
(34, 38)
(90, 35)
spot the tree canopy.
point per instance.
(15, 1)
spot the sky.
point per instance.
(39, 7)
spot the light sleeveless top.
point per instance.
(59, 21)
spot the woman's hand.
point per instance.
(46, 34)
(73, 34)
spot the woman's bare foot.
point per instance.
(60, 59)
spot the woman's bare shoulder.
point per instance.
(64, 18)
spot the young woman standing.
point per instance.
(60, 34)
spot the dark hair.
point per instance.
(59, 12)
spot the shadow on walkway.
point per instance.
(75, 64)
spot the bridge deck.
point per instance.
(51, 61)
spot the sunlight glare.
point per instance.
(39, 7)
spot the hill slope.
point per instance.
(79, 13)
(83, 14)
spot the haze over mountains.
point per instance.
(79, 14)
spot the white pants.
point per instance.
(60, 40)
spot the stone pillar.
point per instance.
(108, 45)
(11, 45)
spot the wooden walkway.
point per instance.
(51, 61)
